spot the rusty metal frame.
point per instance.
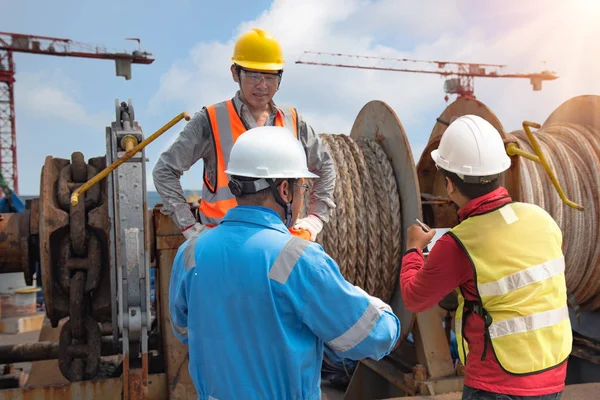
(95, 389)
(168, 238)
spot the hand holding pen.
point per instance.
(419, 235)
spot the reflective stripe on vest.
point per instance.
(516, 253)
(227, 127)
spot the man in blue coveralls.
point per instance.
(255, 304)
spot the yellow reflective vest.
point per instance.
(516, 253)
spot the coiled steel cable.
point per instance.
(364, 232)
(573, 153)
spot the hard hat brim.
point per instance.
(259, 66)
(435, 155)
(443, 164)
(245, 174)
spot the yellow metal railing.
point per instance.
(130, 144)
(512, 149)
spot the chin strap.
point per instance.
(286, 206)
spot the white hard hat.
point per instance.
(471, 146)
(268, 152)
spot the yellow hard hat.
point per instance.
(257, 49)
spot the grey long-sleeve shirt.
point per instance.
(195, 142)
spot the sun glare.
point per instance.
(586, 6)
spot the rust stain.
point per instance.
(54, 225)
(11, 307)
(51, 220)
(163, 224)
(14, 248)
(34, 223)
(144, 391)
(93, 390)
(135, 381)
(135, 386)
(126, 382)
(177, 376)
(169, 242)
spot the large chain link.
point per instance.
(79, 359)
(79, 267)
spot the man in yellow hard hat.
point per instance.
(257, 68)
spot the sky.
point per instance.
(64, 104)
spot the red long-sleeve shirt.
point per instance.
(424, 284)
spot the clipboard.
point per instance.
(439, 232)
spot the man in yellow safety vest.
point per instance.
(257, 68)
(505, 260)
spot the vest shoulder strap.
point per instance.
(215, 119)
(291, 119)
(211, 181)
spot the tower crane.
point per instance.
(460, 75)
(19, 43)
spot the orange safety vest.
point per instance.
(227, 126)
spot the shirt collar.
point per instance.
(242, 108)
(256, 215)
(485, 203)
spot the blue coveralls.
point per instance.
(256, 305)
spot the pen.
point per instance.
(422, 225)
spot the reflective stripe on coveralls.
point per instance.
(261, 304)
(516, 253)
(226, 127)
(187, 252)
(281, 270)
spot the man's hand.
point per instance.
(418, 238)
(193, 230)
(312, 223)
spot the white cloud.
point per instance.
(424, 19)
(515, 33)
(50, 94)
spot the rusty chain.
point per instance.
(79, 360)
(79, 268)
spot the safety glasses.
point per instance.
(303, 187)
(255, 77)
